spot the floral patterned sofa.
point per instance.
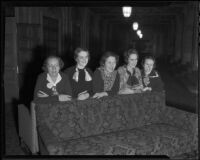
(139, 124)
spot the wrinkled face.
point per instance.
(132, 60)
(110, 64)
(53, 67)
(148, 66)
(82, 59)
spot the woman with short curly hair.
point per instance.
(52, 85)
(106, 78)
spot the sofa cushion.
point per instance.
(76, 119)
(155, 139)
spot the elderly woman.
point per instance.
(80, 75)
(106, 78)
(130, 75)
(52, 85)
(150, 77)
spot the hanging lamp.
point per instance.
(127, 11)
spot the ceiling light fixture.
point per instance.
(139, 32)
(127, 11)
(135, 26)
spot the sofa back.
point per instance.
(76, 119)
(183, 120)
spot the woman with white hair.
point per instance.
(52, 85)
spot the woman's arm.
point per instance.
(40, 92)
(98, 85)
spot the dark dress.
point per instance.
(99, 83)
(82, 85)
(153, 80)
(62, 87)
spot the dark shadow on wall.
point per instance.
(68, 53)
(33, 69)
(14, 110)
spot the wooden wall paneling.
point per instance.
(68, 44)
(70, 30)
(65, 30)
(91, 33)
(178, 40)
(167, 36)
(60, 33)
(104, 36)
(84, 27)
(76, 27)
(187, 34)
(56, 14)
(194, 55)
(171, 38)
(101, 35)
(162, 44)
(50, 33)
(9, 11)
(158, 50)
(88, 29)
(27, 38)
(96, 32)
(11, 88)
(181, 38)
(164, 31)
(110, 33)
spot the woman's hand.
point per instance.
(137, 87)
(147, 89)
(64, 97)
(83, 96)
(137, 90)
(126, 91)
(99, 95)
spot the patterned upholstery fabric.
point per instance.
(92, 117)
(155, 139)
(182, 119)
(123, 124)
